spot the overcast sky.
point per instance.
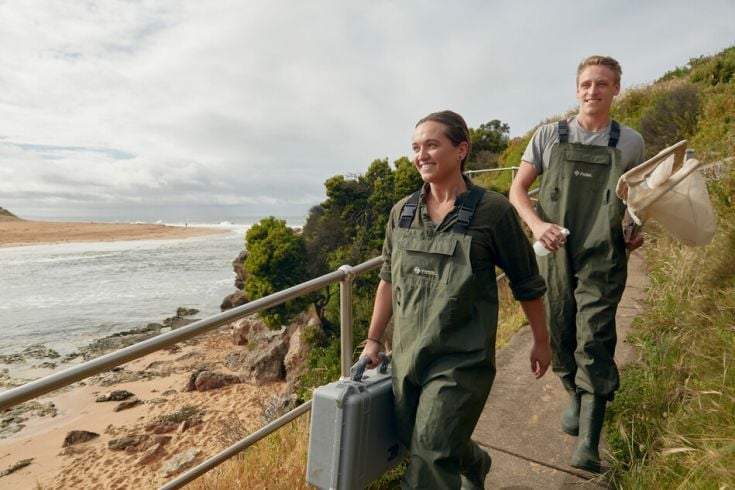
(191, 109)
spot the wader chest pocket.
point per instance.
(593, 169)
(428, 261)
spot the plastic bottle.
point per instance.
(539, 248)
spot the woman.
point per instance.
(438, 283)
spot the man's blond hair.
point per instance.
(607, 61)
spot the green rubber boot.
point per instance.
(474, 478)
(570, 415)
(591, 417)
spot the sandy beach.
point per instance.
(16, 232)
(222, 417)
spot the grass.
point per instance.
(672, 424)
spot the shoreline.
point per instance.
(19, 232)
(157, 382)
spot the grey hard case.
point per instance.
(353, 438)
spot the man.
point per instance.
(581, 160)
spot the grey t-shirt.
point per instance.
(538, 151)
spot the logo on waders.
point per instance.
(425, 273)
(579, 173)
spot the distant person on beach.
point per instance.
(581, 160)
(437, 282)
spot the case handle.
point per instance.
(357, 371)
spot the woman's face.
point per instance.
(434, 155)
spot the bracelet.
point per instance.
(377, 341)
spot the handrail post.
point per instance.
(345, 319)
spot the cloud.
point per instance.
(248, 107)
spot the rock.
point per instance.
(239, 297)
(182, 311)
(15, 467)
(119, 340)
(294, 361)
(240, 330)
(120, 375)
(125, 442)
(161, 427)
(150, 454)
(209, 380)
(238, 265)
(279, 405)
(40, 351)
(115, 396)
(170, 422)
(180, 462)
(126, 404)
(78, 437)
(260, 365)
(170, 392)
(178, 320)
(233, 300)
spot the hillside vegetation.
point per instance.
(5, 214)
(672, 424)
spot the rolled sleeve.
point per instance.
(515, 256)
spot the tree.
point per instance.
(488, 142)
(276, 261)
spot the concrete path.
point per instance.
(520, 423)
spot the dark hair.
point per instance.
(455, 128)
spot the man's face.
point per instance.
(596, 88)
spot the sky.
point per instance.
(191, 110)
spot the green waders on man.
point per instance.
(443, 353)
(585, 281)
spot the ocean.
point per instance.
(67, 295)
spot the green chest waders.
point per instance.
(586, 278)
(445, 318)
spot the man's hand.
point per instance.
(633, 239)
(540, 358)
(551, 235)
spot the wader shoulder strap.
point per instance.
(614, 134)
(467, 210)
(409, 210)
(563, 126)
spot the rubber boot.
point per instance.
(591, 417)
(474, 478)
(570, 415)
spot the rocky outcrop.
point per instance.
(238, 265)
(209, 380)
(180, 462)
(35, 351)
(187, 417)
(12, 420)
(124, 405)
(78, 437)
(239, 297)
(114, 396)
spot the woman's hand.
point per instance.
(371, 349)
(540, 358)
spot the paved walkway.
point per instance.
(520, 423)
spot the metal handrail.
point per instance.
(497, 169)
(68, 376)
